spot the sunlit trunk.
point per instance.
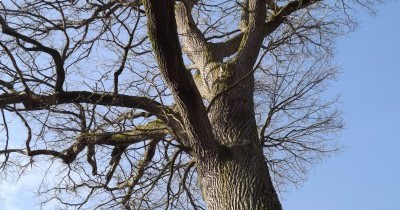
(232, 170)
(240, 181)
(239, 178)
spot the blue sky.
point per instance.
(366, 174)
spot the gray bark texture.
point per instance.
(233, 173)
(240, 181)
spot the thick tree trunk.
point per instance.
(240, 181)
(239, 178)
(232, 170)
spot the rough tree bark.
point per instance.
(233, 173)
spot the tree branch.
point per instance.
(122, 139)
(277, 19)
(227, 48)
(39, 102)
(253, 36)
(163, 34)
(59, 63)
(231, 46)
(194, 43)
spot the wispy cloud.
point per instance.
(19, 195)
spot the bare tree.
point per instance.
(168, 104)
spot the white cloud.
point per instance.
(19, 195)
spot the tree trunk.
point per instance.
(238, 180)
(232, 170)
(239, 177)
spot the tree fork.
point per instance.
(163, 34)
(221, 168)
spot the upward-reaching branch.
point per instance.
(253, 35)
(231, 46)
(194, 43)
(163, 34)
(278, 18)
